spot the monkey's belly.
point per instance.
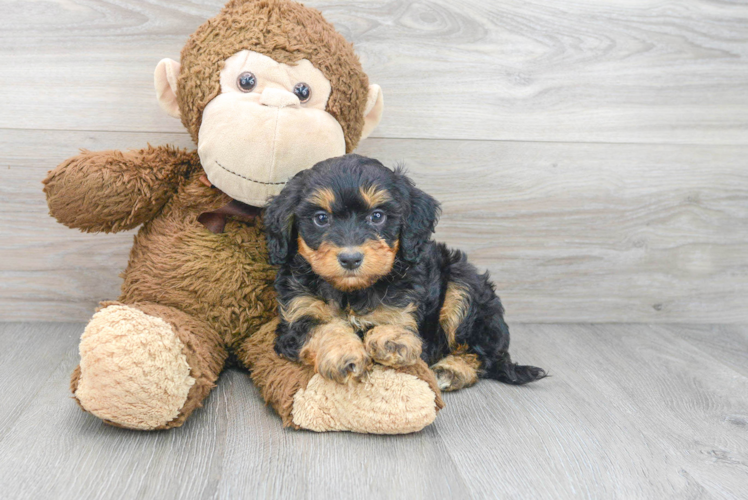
(222, 278)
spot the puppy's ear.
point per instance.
(279, 221)
(419, 222)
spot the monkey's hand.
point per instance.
(110, 191)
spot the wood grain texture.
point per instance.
(555, 158)
(590, 70)
(631, 411)
(569, 232)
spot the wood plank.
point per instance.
(590, 70)
(570, 232)
(233, 447)
(261, 458)
(727, 343)
(30, 359)
(631, 411)
(55, 450)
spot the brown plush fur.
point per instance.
(214, 289)
(277, 379)
(224, 278)
(285, 31)
(110, 191)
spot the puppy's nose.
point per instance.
(350, 260)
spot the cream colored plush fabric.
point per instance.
(388, 402)
(165, 81)
(373, 111)
(133, 370)
(251, 143)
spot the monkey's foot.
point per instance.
(387, 401)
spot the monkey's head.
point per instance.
(266, 89)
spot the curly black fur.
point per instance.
(421, 272)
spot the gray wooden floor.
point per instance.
(632, 411)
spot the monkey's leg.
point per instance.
(387, 401)
(146, 366)
(456, 371)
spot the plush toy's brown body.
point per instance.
(198, 290)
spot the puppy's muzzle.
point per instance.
(350, 260)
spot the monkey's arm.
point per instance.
(110, 191)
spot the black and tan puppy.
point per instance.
(361, 280)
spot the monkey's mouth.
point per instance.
(249, 178)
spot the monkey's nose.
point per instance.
(278, 98)
(350, 260)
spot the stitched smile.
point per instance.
(248, 179)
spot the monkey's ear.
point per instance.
(165, 79)
(419, 224)
(279, 221)
(373, 111)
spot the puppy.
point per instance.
(361, 280)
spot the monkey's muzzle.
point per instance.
(250, 148)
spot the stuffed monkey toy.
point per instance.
(266, 89)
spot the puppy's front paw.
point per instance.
(343, 365)
(393, 345)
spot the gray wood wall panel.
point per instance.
(570, 232)
(591, 70)
(592, 155)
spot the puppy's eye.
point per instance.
(321, 219)
(376, 218)
(246, 82)
(302, 91)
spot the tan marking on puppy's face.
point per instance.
(323, 198)
(373, 196)
(453, 311)
(456, 371)
(324, 260)
(378, 260)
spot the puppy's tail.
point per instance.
(504, 370)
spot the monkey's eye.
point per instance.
(376, 218)
(321, 219)
(302, 91)
(246, 82)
